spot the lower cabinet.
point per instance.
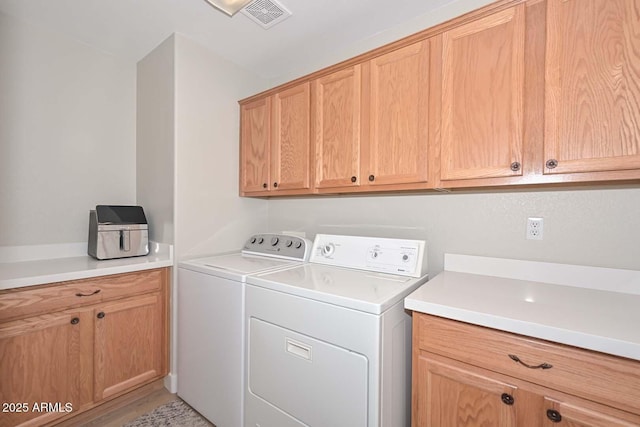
(128, 344)
(456, 384)
(59, 364)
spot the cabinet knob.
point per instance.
(75, 320)
(515, 166)
(507, 399)
(275, 185)
(372, 178)
(551, 163)
(354, 179)
(554, 415)
(264, 185)
(101, 315)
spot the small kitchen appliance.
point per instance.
(118, 232)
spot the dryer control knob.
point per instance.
(288, 243)
(328, 249)
(274, 241)
(298, 245)
(260, 240)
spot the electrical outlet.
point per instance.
(535, 228)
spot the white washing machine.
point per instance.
(329, 342)
(211, 327)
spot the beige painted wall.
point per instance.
(589, 227)
(155, 148)
(67, 134)
(210, 217)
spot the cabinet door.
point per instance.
(255, 135)
(128, 344)
(399, 113)
(290, 143)
(482, 97)
(575, 415)
(449, 395)
(592, 111)
(337, 128)
(42, 370)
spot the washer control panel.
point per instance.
(383, 255)
(278, 245)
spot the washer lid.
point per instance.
(236, 266)
(359, 290)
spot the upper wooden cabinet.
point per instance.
(290, 155)
(482, 97)
(255, 138)
(397, 146)
(371, 122)
(592, 97)
(337, 115)
(275, 143)
(519, 92)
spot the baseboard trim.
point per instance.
(171, 382)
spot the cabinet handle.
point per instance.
(507, 399)
(372, 178)
(540, 366)
(275, 185)
(354, 179)
(75, 320)
(551, 163)
(79, 294)
(554, 415)
(264, 185)
(100, 315)
(515, 166)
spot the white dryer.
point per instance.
(211, 327)
(329, 342)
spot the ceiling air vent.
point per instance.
(266, 13)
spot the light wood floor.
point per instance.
(123, 410)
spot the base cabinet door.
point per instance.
(41, 368)
(451, 395)
(128, 344)
(573, 413)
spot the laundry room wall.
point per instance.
(598, 227)
(67, 134)
(210, 217)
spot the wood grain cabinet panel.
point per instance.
(92, 349)
(337, 116)
(42, 360)
(482, 97)
(290, 156)
(255, 137)
(398, 142)
(275, 143)
(128, 344)
(592, 97)
(461, 373)
(456, 396)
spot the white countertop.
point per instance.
(516, 296)
(37, 272)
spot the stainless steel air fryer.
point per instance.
(118, 232)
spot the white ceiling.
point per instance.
(132, 28)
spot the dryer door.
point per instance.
(311, 381)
